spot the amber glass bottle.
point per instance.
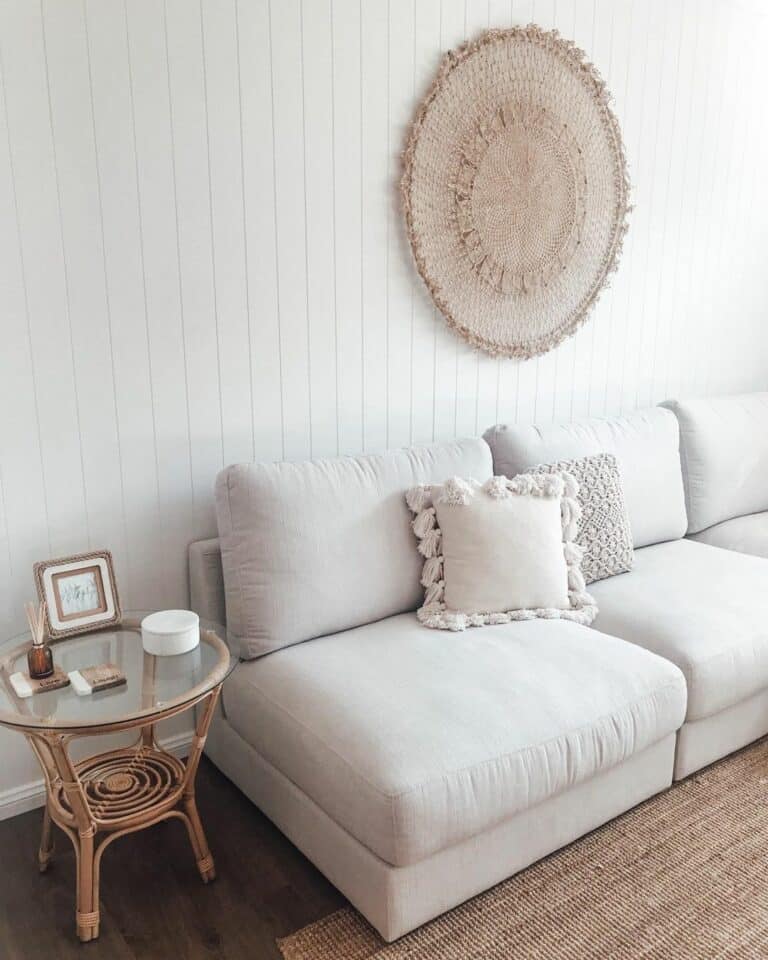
(40, 661)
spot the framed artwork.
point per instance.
(80, 593)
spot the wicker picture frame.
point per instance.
(80, 593)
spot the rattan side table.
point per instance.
(108, 795)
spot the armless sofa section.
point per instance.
(701, 607)
(417, 768)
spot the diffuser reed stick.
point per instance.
(36, 621)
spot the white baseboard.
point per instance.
(30, 795)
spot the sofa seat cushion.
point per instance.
(413, 739)
(745, 534)
(703, 608)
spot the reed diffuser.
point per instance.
(39, 655)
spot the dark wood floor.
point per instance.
(153, 903)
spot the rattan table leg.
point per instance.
(83, 837)
(45, 852)
(87, 893)
(203, 856)
(196, 833)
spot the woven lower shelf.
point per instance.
(129, 782)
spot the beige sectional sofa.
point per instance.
(702, 607)
(416, 768)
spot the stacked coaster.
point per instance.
(24, 686)
(91, 679)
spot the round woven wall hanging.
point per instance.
(515, 190)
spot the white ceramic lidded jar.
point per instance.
(170, 632)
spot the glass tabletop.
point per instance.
(155, 685)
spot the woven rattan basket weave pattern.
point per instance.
(515, 190)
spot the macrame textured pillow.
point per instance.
(603, 530)
(500, 551)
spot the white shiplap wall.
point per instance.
(202, 258)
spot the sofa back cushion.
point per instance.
(724, 452)
(645, 445)
(315, 547)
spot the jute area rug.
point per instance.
(685, 875)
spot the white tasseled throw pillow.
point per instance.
(500, 551)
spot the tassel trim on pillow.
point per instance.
(458, 492)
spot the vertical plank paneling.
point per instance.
(688, 285)
(92, 353)
(755, 200)
(222, 110)
(347, 187)
(25, 514)
(639, 145)
(202, 253)
(258, 157)
(708, 189)
(674, 171)
(622, 44)
(318, 109)
(400, 281)
(693, 66)
(148, 74)
(115, 170)
(735, 244)
(375, 212)
(290, 222)
(728, 71)
(659, 79)
(36, 186)
(189, 137)
(745, 263)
